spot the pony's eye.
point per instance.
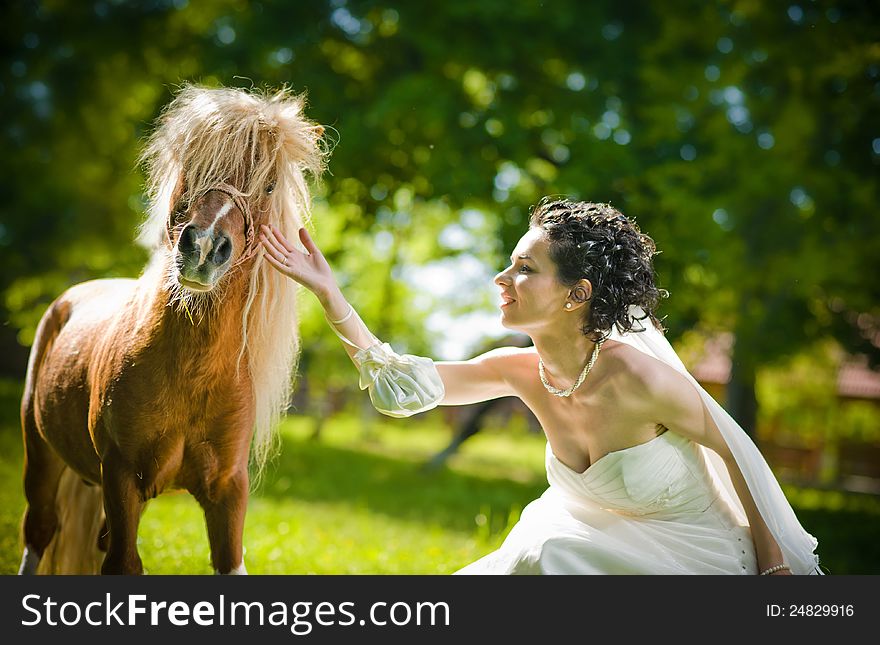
(270, 188)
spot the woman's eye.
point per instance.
(524, 269)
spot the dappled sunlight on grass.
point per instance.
(349, 502)
(358, 500)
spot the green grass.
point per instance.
(349, 503)
(358, 501)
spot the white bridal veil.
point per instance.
(796, 544)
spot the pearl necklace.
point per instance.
(586, 370)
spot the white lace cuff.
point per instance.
(400, 386)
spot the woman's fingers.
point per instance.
(292, 272)
(289, 262)
(275, 263)
(307, 269)
(275, 245)
(276, 239)
(307, 242)
(281, 240)
(272, 249)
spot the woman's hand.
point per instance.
(310, 269)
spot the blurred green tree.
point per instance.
(742, 137)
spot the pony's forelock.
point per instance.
(254, 139)
(213, 136)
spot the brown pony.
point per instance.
(169, 381)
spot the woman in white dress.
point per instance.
(647, 473)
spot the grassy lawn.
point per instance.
(358, 501)
(348, 503)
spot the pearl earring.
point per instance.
(568, 305)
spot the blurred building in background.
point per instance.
(839, 460)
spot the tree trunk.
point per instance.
(742, 402)
(13, 357)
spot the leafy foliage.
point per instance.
(742, 137)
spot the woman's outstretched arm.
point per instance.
(478, 379)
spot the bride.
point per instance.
(647, 473)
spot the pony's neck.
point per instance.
(210, 320)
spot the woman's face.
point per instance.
(532, 296)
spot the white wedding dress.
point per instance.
(667, 506)
(648, 509)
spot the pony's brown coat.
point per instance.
(141, 385)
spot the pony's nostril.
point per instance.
(187, 242)
(222, 250)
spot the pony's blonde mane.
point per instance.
(252, 139)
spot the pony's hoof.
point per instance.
(29, 562)
(237, 571)
(121, 566)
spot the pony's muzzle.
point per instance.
(201, 253)
(202, 246)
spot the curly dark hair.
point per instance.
(599, 243)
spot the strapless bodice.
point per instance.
(666, 476)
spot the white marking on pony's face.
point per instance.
(212, 238)
(204, 244)
(220, 213)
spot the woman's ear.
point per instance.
(582, 291)
(580, 294)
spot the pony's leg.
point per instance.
(123, 505)
(225, 508)
(42, 471)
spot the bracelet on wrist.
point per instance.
(344, 318)
(778, 567)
